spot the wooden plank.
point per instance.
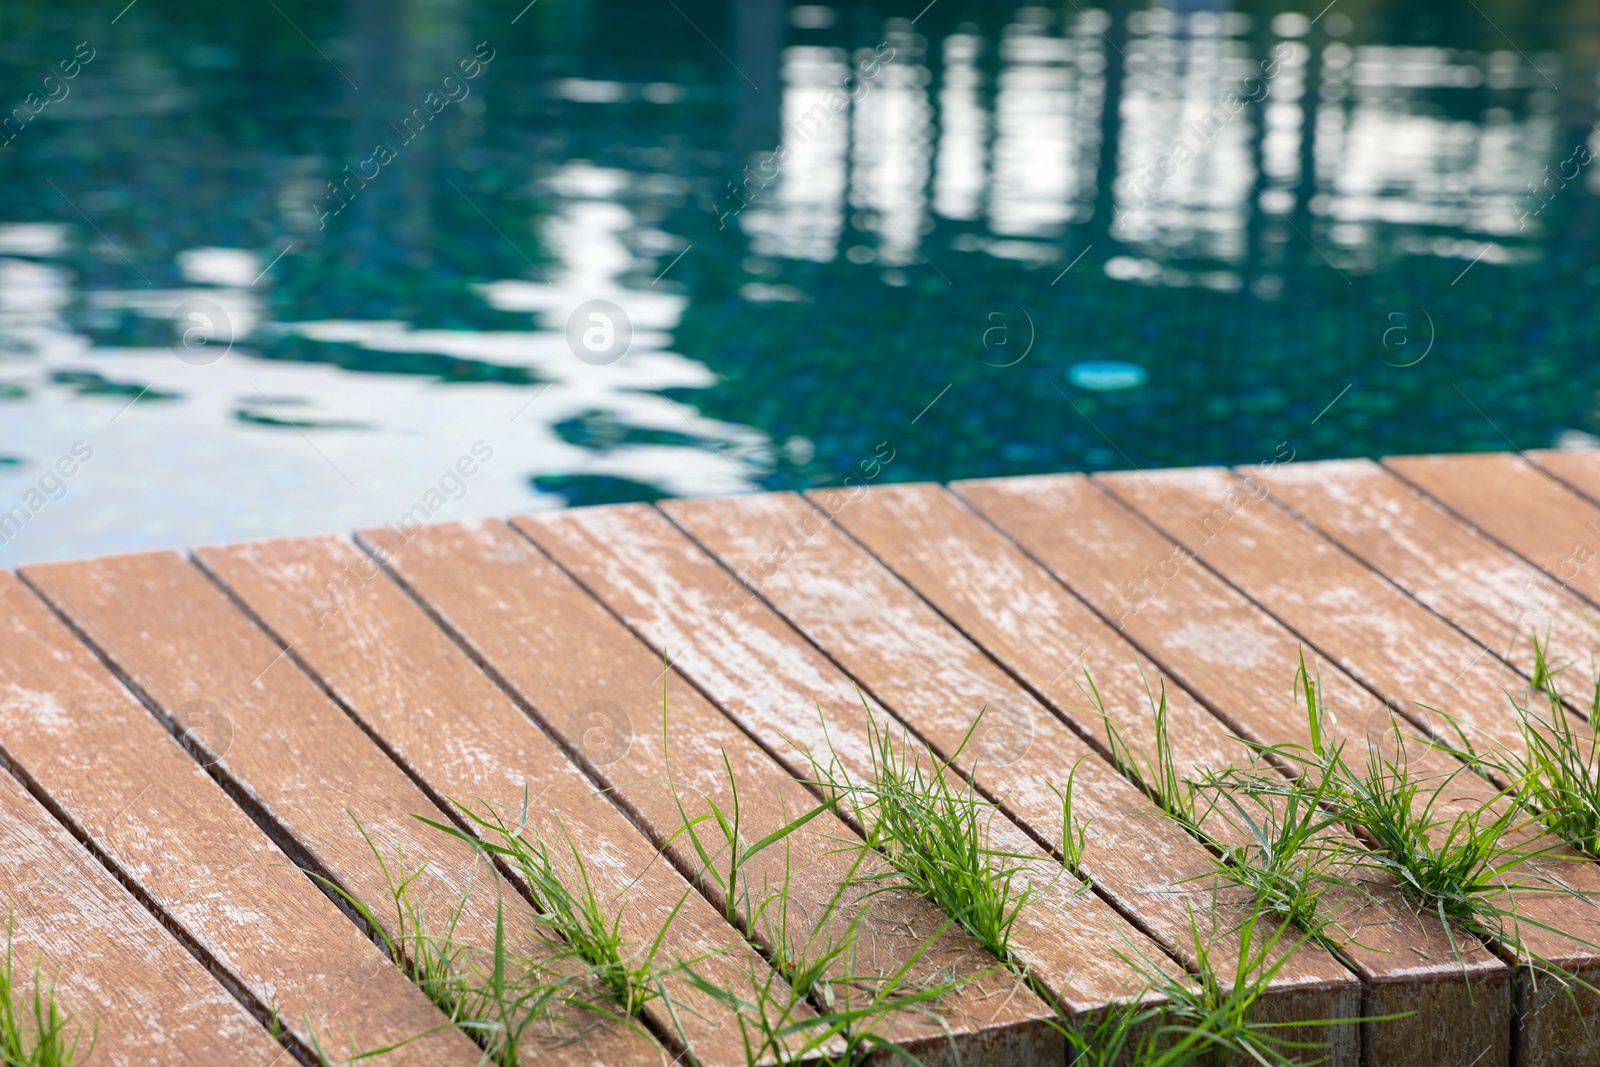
(936, 680)
(561, 652)
(111, 769)
(1579, 470)
(382, 656)
(1519, 505)
(1494, 595)
(131, 990)
(1214, 641)
(780, 690)
(1115, 559)
(1011, 606)
(287, 752)
(1373, 631)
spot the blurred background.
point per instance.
(284, 266)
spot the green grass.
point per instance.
(1276, 843)
(1559, 774)
(815, 1004)
(568, 904)
(500, 992)
(726, 855)
(1465, 864)
(1157, 774)
(502, 995)
(1289, 858)
(34, 1029)
(1074, 831)
(1211, 1017)
(844, 1028)
(935, 832)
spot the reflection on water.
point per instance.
(278, 271)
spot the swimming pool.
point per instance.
(313, 266)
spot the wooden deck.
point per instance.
(204, 752)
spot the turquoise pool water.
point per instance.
(291, 267)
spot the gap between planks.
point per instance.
(913, 663)
(1033, 510)
(1028, 621)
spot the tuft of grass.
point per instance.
(845, 1029)
(34, 1030)
(1456, 864)
(1211, 1017)
(568, 904)
(492, 992)
(1074, 832)
(1276, 844)
(1158, 775)
(496, 994)
(816, 1005)
(814, 962)
(1464, 864)
(727, 856)
(1559, 774)
(1289, 858)
(935, 833)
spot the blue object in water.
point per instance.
(1106, 375)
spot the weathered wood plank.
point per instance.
(1237, 659)
(567, 654)
(284, 748)
(1095, 543)
(385, 660)
(107, 765)
(936, 680)
(1519, 505)
(132, 991)
(1373, 631)
(1012, 607)
(1579, 470)
(1503, 601)
(781, 690)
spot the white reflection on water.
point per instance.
(802, 216)
(1039, 142)
(893, 124)
(959, 177)
(1023, 156)
(1399, 164)
(185, 471)
(1202, 209)
(1006, 139)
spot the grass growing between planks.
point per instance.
(1156, 773)
(34, 1030)
(814, 1005)
(935, 832)
(1286, 844)
(1466, 864)
(1560, 773)
(572, 909)
(1208, 1018)
(501, 994)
